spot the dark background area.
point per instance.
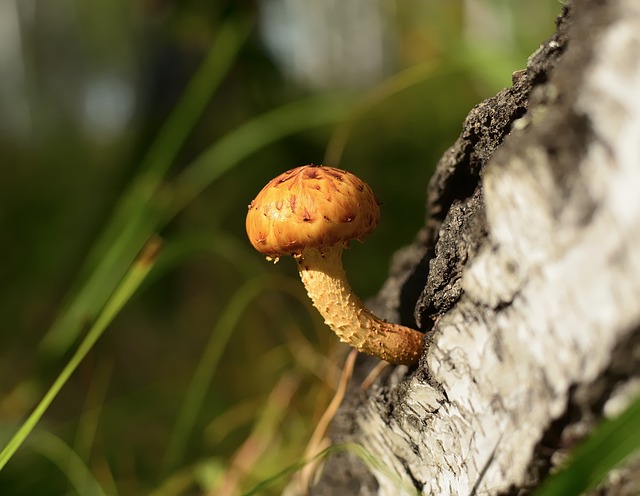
(86, 89)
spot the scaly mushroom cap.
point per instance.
(311, 206)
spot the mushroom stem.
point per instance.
(326, 282)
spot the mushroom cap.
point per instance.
(312, 206)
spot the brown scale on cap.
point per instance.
(312, 212)
(311, 206)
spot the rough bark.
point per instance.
(526, 279)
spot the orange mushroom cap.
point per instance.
(312, 206)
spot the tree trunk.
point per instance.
(525, 279)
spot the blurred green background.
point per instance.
(123, 122)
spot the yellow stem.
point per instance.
(326, 282)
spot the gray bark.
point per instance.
(525, 279)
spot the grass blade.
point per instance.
(120, 297)
(61, 455)
(395, 84)
(140, 210)
(608, 446)
(211, 356)
(403, 487)
(263, 130)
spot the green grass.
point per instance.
(141, 209)
(65, 458)
(375, 464)
(210, 359)
(613, 442)
(123, 292)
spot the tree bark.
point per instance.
(525, 279)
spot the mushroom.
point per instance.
(312, 212)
